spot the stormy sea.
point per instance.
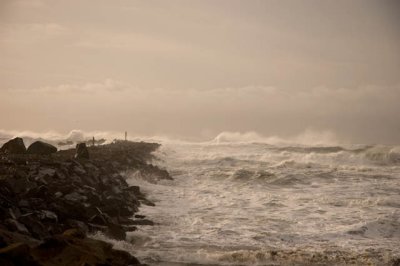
(249, 203)
(257, 203)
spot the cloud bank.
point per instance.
(364, 115)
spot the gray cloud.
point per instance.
(198, 68)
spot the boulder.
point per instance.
(35, 228)
(75, 197)
(18, 184)
(17, 254)
(116, 231)
(47, 215)
(77, 225)
(81, 151)
(41, 148)
(71, 249)
(146, 202)
(142, 222)
(14, 225)
(14, 146)
(15, 250)
(73, 232)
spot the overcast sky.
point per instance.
(195, 68)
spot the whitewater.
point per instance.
(261, 204)
(258, 203)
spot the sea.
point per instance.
(257, 203)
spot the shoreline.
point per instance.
(49, 203)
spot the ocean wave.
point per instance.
(387, 227)
(264, 204)
(384, 154)
(308, 137)
(231, 148)
(303, 257)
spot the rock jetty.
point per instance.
(50, 200)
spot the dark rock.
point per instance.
(38, 203)
(68, 249)
(54, 244)
(134, 189)
(143, 222)
(36, 228)
(100, 218)
(14, 225)
(14, 212)
(96, 227)
(129, 228)
(8, 237)
(116, 190)
(48, 215)
(19, 184)
(3, 242)
(116, 231)
(15, 250)
(126, 210)
(16, 254)
(42, 196)
(147, 202)
(79, 225)
(75, 233)
(75, 178)
(79, 170)
(45, 172)
(19, 173)
(23, 204)
(125, 220)
(41, 148)
(61, 174)
(75, 197)
(81, 151)
(37, 192)
(14, 146)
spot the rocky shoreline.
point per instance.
(50, 200)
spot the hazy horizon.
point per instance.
(194, 69)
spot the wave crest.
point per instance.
(308, 137)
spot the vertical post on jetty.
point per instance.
(93, 141)
(126, 135)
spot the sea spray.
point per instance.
(262, 204)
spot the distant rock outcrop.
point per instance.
(81, 151)
(14, 146)
(41, 148)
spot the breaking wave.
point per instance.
(248, 203)
(246, 199)
(309, 137)
(307, 148)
